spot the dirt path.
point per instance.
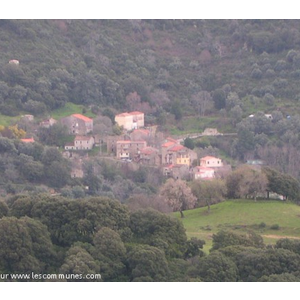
(271, 236)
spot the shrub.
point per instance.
(275, 227)
(262, 225)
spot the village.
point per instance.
(137, 144)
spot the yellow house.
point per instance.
(174, 153)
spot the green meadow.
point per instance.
(271, 219)
(69, 109)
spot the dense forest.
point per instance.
(48, 236)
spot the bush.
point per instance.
(262, 225)
(275, 227)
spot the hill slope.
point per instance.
(243, 215)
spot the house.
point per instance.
(81, 143)
(31, 140)
(14, 62)
(129, 149)
(150, 156)
(203, 173)
(211, 132)
(29, 118)
(131, 120)
(111, 142)
(48, 123)
(176, 171)
(211, 162)
(140, 135)
(78, 124)
(174, 153)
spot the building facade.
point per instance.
(131, 120)
(129, 149)
(81, 143)
(211, 162)
(78, 124)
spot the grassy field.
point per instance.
(7, 120)
(243, 215)
(69, 109)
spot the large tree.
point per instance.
(147, 263)
(25, 246)
(178, 195)
(246, 182)
(208, 192)
(282, 184)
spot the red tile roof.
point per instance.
(148, 150)
(31, 140)
(131, 142)
(169, 139)
(82, 117)
(133, 113)
(82, 138)
(168, 144)
(143, 131)
(208, 157)
(136, 113)
(176, 148)
(123, 115)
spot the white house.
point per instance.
(211, 162)
(81, 143)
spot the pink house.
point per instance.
(204, 173)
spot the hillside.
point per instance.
(101, 61)
(185, 75)
(242, 216)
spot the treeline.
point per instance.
(55, 235)
(30, 166)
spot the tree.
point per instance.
(193, 248)
(282, 184)
(109, 244)
(147, 263)
(292, 245)
(219, 98)
(189, 143)
(224, 239)
(56, 135)
(57, 174)
(110, 252)
(178, 195)
(78, 263)
(160, 230)
(202, 102)
(246, 182)
(176, 110)
(216, 267)
(25, 246)
(209, 192)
